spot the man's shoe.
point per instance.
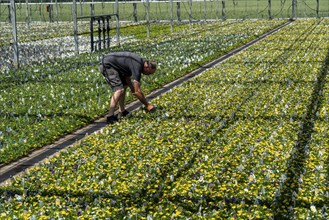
(112, 119)
(125, 113)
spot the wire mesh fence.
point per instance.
(57, 10)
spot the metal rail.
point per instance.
(103, 30)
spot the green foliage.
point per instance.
(227, 144)
(43, 102)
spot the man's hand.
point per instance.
(139, 94)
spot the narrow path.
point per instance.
(14, 168)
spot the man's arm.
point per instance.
(139, 94)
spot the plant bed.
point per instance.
(225, 144)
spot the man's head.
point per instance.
(149, 67)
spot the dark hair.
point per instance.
(151, 64)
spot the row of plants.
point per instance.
(36, 31)
(42, 102)
(40, 42)
(247, 139)
(310, 187)
(39, 31)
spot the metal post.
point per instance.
(40, 12)
(223, 10)
(99, 33)
(117, 21)
(317, 8)
(148, 17)
(178, 12)
(217, 9)
(171, 16)
(27, 19)
(190, 11)
(269, 9)
(75, 26)
(108, 31)
(31, 13)
(294, 5)
(92, 9)
(104, 31)
(135, 11)
(56, 10)
(50, 11)
(92, 34)
(81, 11)
(12, 13)
(9, 17)
(205, 10)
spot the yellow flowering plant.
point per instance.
(239, 141)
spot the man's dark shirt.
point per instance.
(126, 63)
